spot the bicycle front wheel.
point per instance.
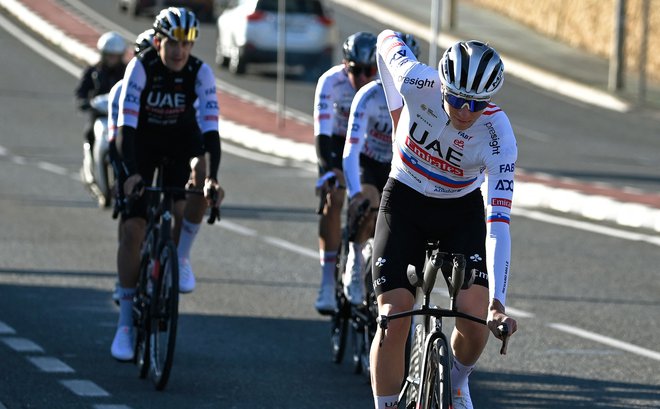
(164, 316)
(436, 385)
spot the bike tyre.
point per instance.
(165, 313)
(141, 319)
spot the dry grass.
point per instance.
(588, 24)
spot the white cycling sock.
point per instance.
(126, 306)
(188, 233)
(328, 262)
(354, 254)
(386, 402)
(459, 378)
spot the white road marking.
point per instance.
(19, 160)
(237, 228)
(287, 245)
(50, 364)
(39, 48)
(253, 155)
(6, 329)
(50, 167)
(21, 344)
(82, 387)
(591, 227)
(615, 343)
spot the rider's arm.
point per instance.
(208, 117)
(358, 121)
(500, 161)
(113, 110)
(395, 60)
(84, 87)
(129, 112)
(323, 122)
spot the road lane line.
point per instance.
(82, 387)
(40, 49)
(615, 343)
(237, 228)
(287, 245)
(21, 344)
(52, 168)
(50, 364)
(590, 227)
(6, 329)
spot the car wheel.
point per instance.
(237, 63)
(220, 59)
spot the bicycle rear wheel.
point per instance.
(342, 314)
(164, 316)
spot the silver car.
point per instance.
(247, 33)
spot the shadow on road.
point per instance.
(539, 391)
(241, 362)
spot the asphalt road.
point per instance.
(249, 337)
(556, 135)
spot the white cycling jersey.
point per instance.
(439, 161)
(168, 103)
(332, 102)
(369, 133)
(113, 109)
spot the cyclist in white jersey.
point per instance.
(448, 137)
(366, 163)
(332, 103)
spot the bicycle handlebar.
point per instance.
(130, 199)
(383, 321)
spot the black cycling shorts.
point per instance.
(407, 220)
(373, 172)
(337, 155)
(150, 152)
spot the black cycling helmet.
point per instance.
(144, 40)
(412, 43)
(177, 23)
(360, 48)
(471, 69)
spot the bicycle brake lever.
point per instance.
(382, 323)
(503, 329)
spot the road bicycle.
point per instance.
(428, 384)
(156, 302)
(347, 316)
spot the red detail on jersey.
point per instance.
(496, 201)
(210, 118)
(424, 155)
(323, 116)
(492, 112)
(354, 140)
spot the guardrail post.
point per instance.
(615, 80)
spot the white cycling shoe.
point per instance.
(352, 278)
(462, 400)
(186, 276)
(325, 303)
(122, 344)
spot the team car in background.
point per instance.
(204, 9)
(247, 33)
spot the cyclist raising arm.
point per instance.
(448, 135)
(157, 120)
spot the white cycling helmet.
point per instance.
(471, 69)
(111, 43)
(177, 23)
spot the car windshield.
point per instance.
(293, 6)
